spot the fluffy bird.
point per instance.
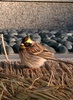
(33, 54)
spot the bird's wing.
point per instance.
(46, 54)
(41, 51)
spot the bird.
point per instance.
(33, 54)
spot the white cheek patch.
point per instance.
(22, 44)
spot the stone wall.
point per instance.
(36, 15)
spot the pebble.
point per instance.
(58, 41)
(58, 35)
(4, 43)
(12, 44)
(53, 32)
(16, 48)
(9, 50)
(69, 34)
(71, 50)
(70, 38)
(33, 31)
(22, 31)
(62, 49)
(36, 37)
(12, 39)
(45, 31)
(22, 35)
(49, 48)
(50, 42)
(68, 45)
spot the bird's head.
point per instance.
(26, 42)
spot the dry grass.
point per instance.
(53, 81)
(14, 88)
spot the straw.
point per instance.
(1, 35)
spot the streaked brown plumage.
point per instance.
(33, 54)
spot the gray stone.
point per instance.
(68, 45)
(53, 44)
(12, 39)
(58, 35)
(43, 36)
(61, 40)
(54, 38)
(64, 38)
(71, 50)
(9, 50)
(53, 32)
(12, 44)
(45, 31)
(21, 35)
(4, 43)
(69, 34)
(36, 38)
(50, 41)
(18, 42)
(49, 48)
(16, 48)
(33, 31)
(6, 36)
(5, 32)
(70, 38)
(12, 32)
(62, 49)
(71, 31)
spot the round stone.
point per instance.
(22, 31)
(50, 42)
(71, 50)
(54, 38)
(5, 32)
(62, 49)
(58, 35)
(68, 45)
(70, 38)
(18, 42)
(12, 39)
(64, 38)
(22, 35)
(16, 48)
(69, 34)
(9, 50)
(12, 44)
(12, 32)
(6, 36)
(4, 43)
(33, 31)
(45, 31)
(53, 32)
(36, 38)
(43, 36)
(49, 48)
(60, 40)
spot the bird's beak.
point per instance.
(22, 46)
(29, 40)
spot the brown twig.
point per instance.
(4, 48)
(50, 78)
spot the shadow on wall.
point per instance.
(36, 15)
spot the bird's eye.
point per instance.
(27, 44)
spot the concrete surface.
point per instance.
(15, 57)
(41, 0)
(36, 15)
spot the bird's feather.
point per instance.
(39, 50)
